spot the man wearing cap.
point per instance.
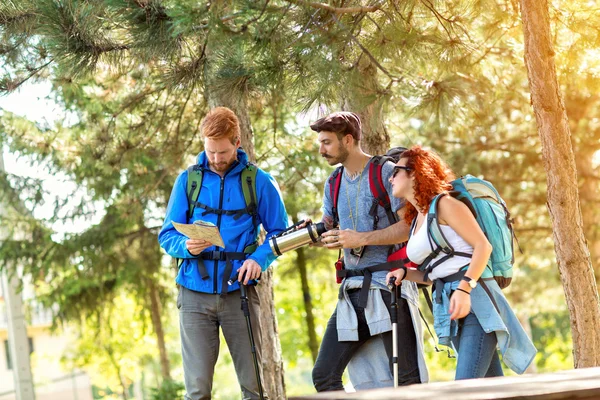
(360, 321)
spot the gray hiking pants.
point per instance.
(200, 316)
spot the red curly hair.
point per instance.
(221, 122)
(432, 176)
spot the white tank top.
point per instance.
(418, 249)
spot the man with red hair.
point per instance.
(203, 303)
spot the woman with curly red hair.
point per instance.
(470, 313)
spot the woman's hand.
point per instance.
(399, 274)
(460, 305)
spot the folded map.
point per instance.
(201, 230)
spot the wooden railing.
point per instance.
(580, 384)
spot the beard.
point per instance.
(221, 167)
(339, 158)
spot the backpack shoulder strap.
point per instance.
(335, 181)
(380, 194)
(437, 240)
(433, 226)
(194, 184)
(248, 181)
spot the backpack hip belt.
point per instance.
(438, 286)
(228, 257)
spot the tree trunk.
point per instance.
(367, 98)
(313, 344)
(579, 107)
(117, 368)
(272, 361)
(155, 314)
(588, 192)
(572, 254)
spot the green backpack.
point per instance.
(247, 176)
(248, 182)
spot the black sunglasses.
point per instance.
(398, 168)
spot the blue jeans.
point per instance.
(478, 357)
(334, 355)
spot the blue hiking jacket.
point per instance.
(223, 193)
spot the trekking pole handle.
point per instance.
(392, 283)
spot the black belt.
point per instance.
(367, 273)
(438, 284)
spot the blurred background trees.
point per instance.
(132, 79)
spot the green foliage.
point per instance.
(551, 333)
(112, 345)
(169, 389)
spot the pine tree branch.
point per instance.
(438, 16)
(533, 229)
(245, 26)
(589, 176)
(338, 10)
(137, 98)
(6, 18)
(9, 86)
(368, 54)
(489, 48)
(177, 130)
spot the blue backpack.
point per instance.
(493, 217)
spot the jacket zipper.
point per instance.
(216, 272)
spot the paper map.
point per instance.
(201, 230)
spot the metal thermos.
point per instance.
(298, 238)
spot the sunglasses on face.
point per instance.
(398, 168)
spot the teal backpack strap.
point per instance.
(435, 231)
(437, 241)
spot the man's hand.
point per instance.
(306, 222)
(196, 246)
(347, 238)
(251, 269)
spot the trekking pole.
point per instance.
(246, 310)
(394, 305)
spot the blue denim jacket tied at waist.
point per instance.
(517, 349)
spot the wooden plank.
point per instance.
(577, 384)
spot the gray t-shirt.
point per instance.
(355, 203)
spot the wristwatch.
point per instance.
(472, 282)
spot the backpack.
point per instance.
(376, 184)
(493, 217)
(248, 182)
(247, 176)
(381, 198)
